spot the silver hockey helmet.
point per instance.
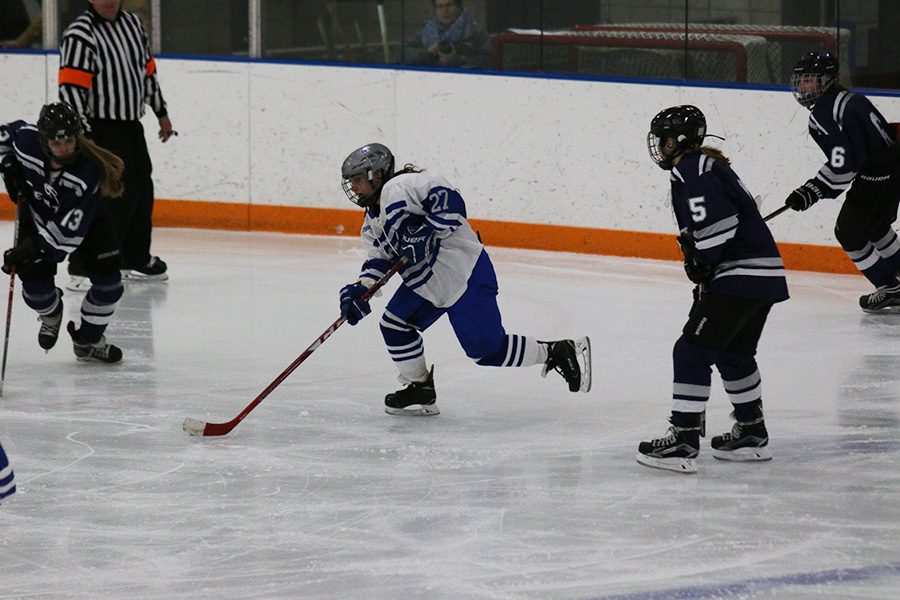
(367, 161)
(686, 125)
(813, 74)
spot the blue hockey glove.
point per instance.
(804, 196)
(27, 252)
(416, 243)
(353, 307)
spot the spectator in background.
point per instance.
(32, 33)
(451, 38)
(13, 22)
(108, 74)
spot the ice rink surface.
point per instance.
(518, 489)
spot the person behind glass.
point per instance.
(60, 180)
(862, 155)
(731, 257)
(418, 216)
(451, 38)
(108, 74)
(14, 22)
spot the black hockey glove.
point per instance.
(14, 180)
(353, 307)
(805, 196)
(27, 252)
(698, 274)
(416, 243)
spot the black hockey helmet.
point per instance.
(367, 161)
(685, 124)
(58, 120)
(813, 74)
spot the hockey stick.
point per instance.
(776, 212)
(12, 285)
(201, 428)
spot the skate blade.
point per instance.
(677, 465)
(887, 310)
(743, 454)
(583, 350)
(415, 410)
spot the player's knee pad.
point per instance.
(733, 366)
(106, 289)
(107, 263)
(39, 294)
(486, 349)
(849, 233)
(686, 351)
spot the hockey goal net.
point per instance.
(634, 53)
(785, 44)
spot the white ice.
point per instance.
(519, 489)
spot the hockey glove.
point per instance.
(26, 253)
(416, 243)
(353, 307)
(14, 180)
(698, 274)
(805, 196)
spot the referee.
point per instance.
(107, 73)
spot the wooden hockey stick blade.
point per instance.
(197, 427)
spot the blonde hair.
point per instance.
(111, 168)
(715, 154)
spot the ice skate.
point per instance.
(99, 351)
(49, 331)
(417, 399)
(675, 451)
(155, 270)
(746, 441)
(885, 299)
(572, 360)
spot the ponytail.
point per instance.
(111, 168)
(715, 154)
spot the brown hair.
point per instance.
(409, 168)
(111, 167)
(715, 154)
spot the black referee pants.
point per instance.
(132, 213)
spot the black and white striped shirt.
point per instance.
(107, 70)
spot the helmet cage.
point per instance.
(684, 124)
(366, 161)
(59, 121)
(813, 75)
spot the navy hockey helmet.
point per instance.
(367, 161)
(58, 120)
(685, 124)
(813, 74)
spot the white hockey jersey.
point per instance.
(422, 198)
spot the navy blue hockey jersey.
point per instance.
(62, 203)
(7, 477)
(713, 206)
(849, 130)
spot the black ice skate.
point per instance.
(885, 299)
(154, 270)
(418, 399)
(99, 351)
(572, 360)
(675, 451)
(49, 331)
(747, 441)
